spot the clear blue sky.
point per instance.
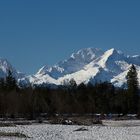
(38, 32)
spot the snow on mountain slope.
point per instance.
(82, 76)
(5, 66)
(38, 80)
(23, 80)
(111, 60)
(44, 78)
(134, 59)
(61, 71)
(75, 63)
(120, 80)
(114, 64)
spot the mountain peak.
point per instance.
(5, 66)
(85, 53)
(74, 63)
(112, 51)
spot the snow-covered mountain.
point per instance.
(75, 63)
(87, 65)
(5, 66)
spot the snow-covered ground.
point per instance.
(68, 132)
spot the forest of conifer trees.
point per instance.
(102, 97)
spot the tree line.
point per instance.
(71, 98)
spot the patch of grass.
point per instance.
(12, 134)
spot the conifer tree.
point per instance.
(132, 91)
(10, 81)
(2, 84)
(72, 84)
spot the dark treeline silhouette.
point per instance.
(82, 99)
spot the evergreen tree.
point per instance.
(132, 91)
(2, 84)
(72, 84)
(10, 81)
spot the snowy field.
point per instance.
(63, 132)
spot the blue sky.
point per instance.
(38, 32)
